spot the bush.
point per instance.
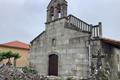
(29, 70)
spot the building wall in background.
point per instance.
(22, 61)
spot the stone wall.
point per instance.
(112, 56)
(71, 48)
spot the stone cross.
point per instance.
(99, 57)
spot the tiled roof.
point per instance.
(111, 42)
(16, 44)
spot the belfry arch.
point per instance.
(52, 13)
(56, 9)
(59, 10)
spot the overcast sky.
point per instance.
(24, 19)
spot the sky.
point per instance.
(23, 20)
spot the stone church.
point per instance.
(68, 46)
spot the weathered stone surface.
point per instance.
(75, 41)
(71, 45)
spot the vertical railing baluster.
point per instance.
(88, 28)
(71, 19)
(82, 25)
(79, 24)
(94, 31)
(76, 23)
(97, 34)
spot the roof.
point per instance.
(111, 42)
(16, 44)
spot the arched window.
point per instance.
(52, 13)
(59, 10)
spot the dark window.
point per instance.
(59, 10)
(52, 13)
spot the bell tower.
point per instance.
(56, 9)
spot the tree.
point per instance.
(8, 55)
(15, 56)
(3, 55)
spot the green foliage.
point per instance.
(16, 55)
(8, 55)
(2, 56)
(5, 55)
(29, 70)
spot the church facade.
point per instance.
(68, 45)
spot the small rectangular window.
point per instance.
(54, 42)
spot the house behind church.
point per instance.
(16, 47)
(66, 46)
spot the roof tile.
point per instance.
(16, 44)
